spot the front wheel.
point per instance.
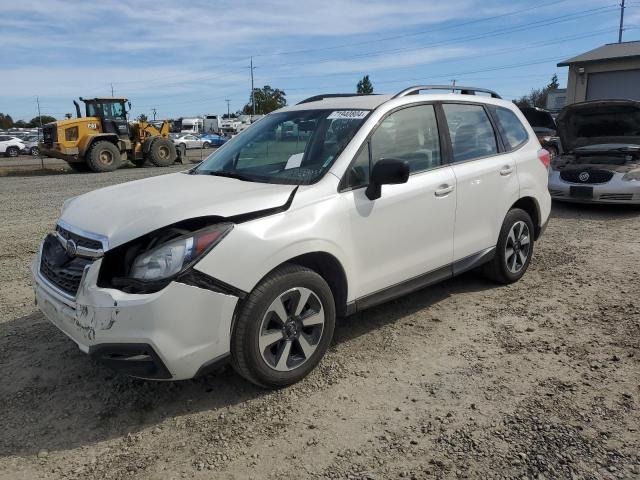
(12, 151)
(514, 249)
(162, 152)
(34, 151)
(283, 328)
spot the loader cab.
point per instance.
(112, 113)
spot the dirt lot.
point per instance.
(463, 380)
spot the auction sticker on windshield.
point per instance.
(348, 114)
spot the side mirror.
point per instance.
(388, 171)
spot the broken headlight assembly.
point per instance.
(632, 176)
(152, 262)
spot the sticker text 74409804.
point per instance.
(348, 114)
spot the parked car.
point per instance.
(545, 127)
(31, 145)
(10, 146)
(601, 162)
(213, 140)
(190, 141)
(250, 256)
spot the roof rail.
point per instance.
(452, 88)
(316, 98)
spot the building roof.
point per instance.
(606, 52)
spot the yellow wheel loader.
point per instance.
(103, 139)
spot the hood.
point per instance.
(129, 210)
(599, 122)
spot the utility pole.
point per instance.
(154, 114)
(453, 84)
(112, 89)
(621, 22)
(253, 98)
(228, 108)
(40, 120)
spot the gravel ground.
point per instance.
(466, 379)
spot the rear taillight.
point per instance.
(544, 157)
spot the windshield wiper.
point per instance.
(230, 174)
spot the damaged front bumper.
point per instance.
(174, 333)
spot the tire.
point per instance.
(12, 152)
(103, 156)
(34, 151)
(162, 152)
(508, 265)
(262, 362)
(79, 167)
(206, 145)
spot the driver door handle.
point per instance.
(444, 190)
(506, 170)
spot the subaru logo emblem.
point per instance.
(584, 176)
(72, 248)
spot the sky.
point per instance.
(186, 58)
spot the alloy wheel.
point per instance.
(291, 329)
(518, 247)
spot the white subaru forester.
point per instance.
(317, 210)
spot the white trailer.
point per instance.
(192, 125)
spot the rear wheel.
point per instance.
(12, 151)
(206, 145)
(35, 151)
(162, 152)
(283, 328)
(514, 249)
(103, 156)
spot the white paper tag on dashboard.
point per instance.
(348, 115)
(294, 161)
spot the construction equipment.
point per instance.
(104, 138)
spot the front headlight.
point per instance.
(176, 255)
(632, 176)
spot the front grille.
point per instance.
(594, 176)
(616, 196)
(556, 193)
(58, 268)
(49, 134)
(79, 241)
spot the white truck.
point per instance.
(192, 125)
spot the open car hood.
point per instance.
(127, 211)
(599, 122)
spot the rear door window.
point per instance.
(471, 132)
(514, 134)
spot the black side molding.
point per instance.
(212, 365)
(421, 281)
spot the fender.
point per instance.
(87, 141)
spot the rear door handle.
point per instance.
(444, 190)
(506, 170)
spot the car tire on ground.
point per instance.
(34, 151)
(103, 156)
(514, 249)
(206, 145)
(12, 152)
(272, 351)
(162, 152)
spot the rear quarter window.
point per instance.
(514, 134)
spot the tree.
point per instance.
(5, 121)
(20, 124)
(267, 100)
(538, 96)
(142, 117)
(364, 85)
(35, 121)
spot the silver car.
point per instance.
(601, 159)
(190, 141)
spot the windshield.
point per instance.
(539, 118)
(106, 110)
(289, 147)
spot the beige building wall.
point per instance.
(577, 82)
